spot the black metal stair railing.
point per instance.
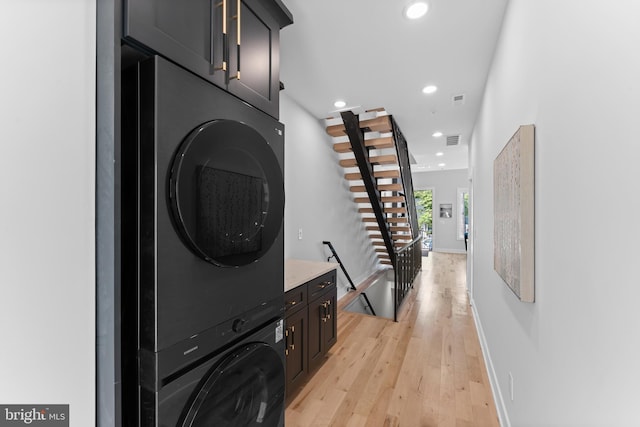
(408, 258)
(408, 265)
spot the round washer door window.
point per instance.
(227, 193)
(246, 389)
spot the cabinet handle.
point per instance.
(328, 309)
(225, 37)
(238, 18)
(286, 342)
(292, 346)
(324, 285)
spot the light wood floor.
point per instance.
(426, 370)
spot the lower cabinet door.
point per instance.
(296, 345)
(330, 326)
(315, 333)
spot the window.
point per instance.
(462, 213)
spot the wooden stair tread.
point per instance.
(392, 199)
(400, 210)
(385, 159)
(392, 220)
(389, 173)
(384, 199)
(397, 220)
(377, 124)
(374, 143)
(396, 244)
(382, 187)
(393, 236)
(385, 210)
(393, 228)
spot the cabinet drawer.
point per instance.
(295, 299)
(321, 285)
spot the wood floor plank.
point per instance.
(426, 370)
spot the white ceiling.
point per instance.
(368, 54)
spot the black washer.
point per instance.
(245, 389)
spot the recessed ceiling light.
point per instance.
(339, 104)
(429, 89)
(437, 134)
(439, 153)
(441, 165)
(416, 10)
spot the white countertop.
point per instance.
(298, 271)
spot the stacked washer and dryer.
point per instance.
(202, 253)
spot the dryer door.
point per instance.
(245, 389)
(227, 193)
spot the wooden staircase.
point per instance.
(379, 139)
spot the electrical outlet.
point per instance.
(511, 386)
(299, 233)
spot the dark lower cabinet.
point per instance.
(310, 327)
(232, 43)
(322, 326)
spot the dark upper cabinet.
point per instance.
(236, 51)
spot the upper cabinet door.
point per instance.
(254, 63)
(189, 33)
(232, 43)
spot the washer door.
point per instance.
(227, 193)
(245, 389)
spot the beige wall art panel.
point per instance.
(513, 207)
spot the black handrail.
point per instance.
(344, 270)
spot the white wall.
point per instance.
(445, 186)
(318, 199)
(572, 69)
(47, 274)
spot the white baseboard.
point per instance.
(450, 251)
(498, 399)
